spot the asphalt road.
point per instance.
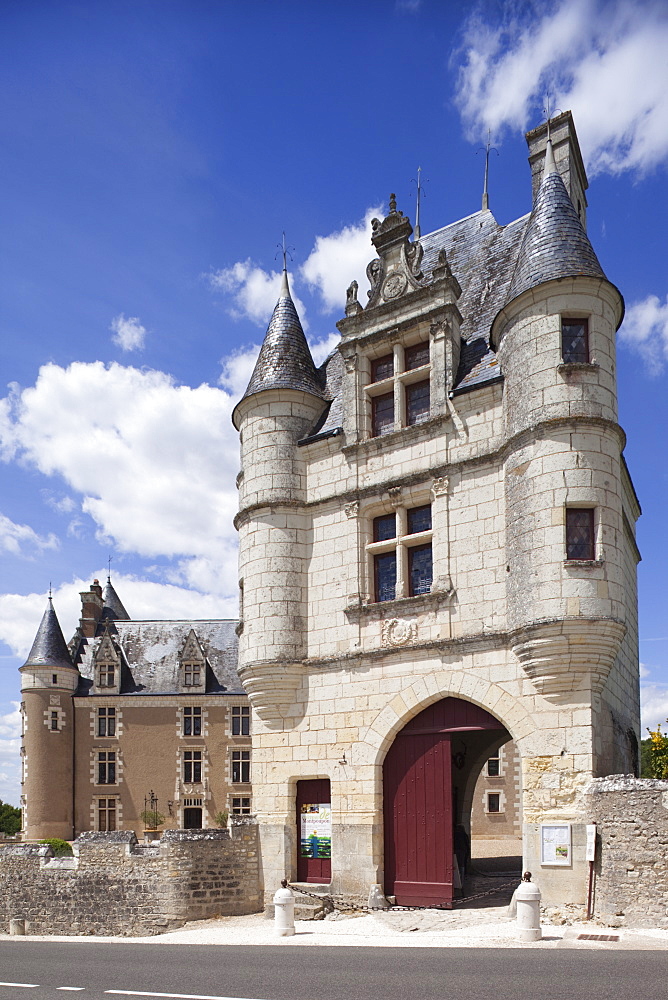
(94, 971)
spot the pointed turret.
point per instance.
(285, 360)
(49, 648)
(49, 681)
(555, 243)
(113, 606)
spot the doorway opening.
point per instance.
(429, 775)
(192, 818)
(314, 831)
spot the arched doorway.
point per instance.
(427, 776)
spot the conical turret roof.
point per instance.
(49, 648)
(113, 606)
(285, 360)
(555, 244)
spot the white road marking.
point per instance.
(172, 996)
(73, 989)
(25, 986)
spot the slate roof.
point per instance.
(555, 244)
(113, 604)
(49, 648)
(482, 256)
(285, 360)
(150, 656)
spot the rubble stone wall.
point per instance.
(632, 853)
(113, 886)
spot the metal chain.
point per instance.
(362, 907)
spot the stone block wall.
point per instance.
(113, 886)
(632, 855)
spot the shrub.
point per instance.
(60, 848)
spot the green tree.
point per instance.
(657, 753)
(10, 818)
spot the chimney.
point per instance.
(91, 609)
(567, 157)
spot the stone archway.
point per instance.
(428, 775)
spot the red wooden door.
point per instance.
(417, 782)
(313, 852)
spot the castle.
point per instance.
(436, 555)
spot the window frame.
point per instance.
(240, 720)
(399, 386)
(489, 797)
(193, 761)
(106, 670)
(240, 765)
(399, 547)
(237, 807)
(569, 356)
(108, 715)
(569, 532)
(193, 671)
(110, 811)
(191, 720)
(496, 761)
(106, 765)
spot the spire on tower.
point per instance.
(285, 360)
(49, 648)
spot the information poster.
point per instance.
(555, 844)
(316, 831)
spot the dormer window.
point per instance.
(192, 674)
(192, 664)
(106, 675)
(399, 391)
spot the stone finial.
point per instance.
(393, 203)
(352, 305)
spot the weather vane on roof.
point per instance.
(285, 250)
(49, 590)
(487, 149)
(109, 568)
(549, 114)
(420, 194)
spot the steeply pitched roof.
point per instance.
(482, 255)
(150, 655)
(555, 244)
(49, 648)
(285, 360)
(113, 604)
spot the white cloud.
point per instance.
(605, 61)
(155, 462)
(321, 349)
(237, 369)
(21, 539)
(10, 739)
(255, 291)
(645, 329)
(653, 707)
(129, 334)
(339, 258)
(20, 614)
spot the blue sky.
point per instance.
(153, 153)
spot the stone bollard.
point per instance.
(527, 897)
(17, 926)
(284, 911)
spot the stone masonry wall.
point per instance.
(113, 886)
(632, 855)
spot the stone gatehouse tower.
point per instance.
(437, 551)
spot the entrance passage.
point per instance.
(425, 775)
(314, 831)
